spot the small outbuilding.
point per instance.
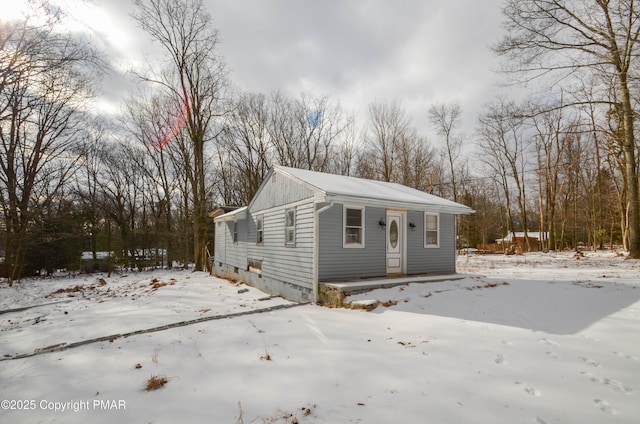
(519, 239)
(303, 228)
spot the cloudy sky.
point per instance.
(416, 52)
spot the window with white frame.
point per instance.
(235, 231)
(290, 227)
(431, 230)
(259, 230)
(353, 226)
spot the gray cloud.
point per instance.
(414, 51)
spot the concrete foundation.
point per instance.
(335, 294)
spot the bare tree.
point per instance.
(45, 77)
(196, 78)
(345, 152)
(550, 132)
(181, 158)
(150, 120)
(416, 162)
(262, 130)
(388, 126)
(304, 131)
(245, 153)
(445, 119)
(617, 162)
(561, 40)
(394, 151)
(122, 198)
(488, 223)
(87, 181)
(502, 144)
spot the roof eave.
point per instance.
(426, 207)
(239, 213)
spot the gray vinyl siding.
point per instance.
(421, 260)
(289, 264)
(280, 190)
(337, 262)
(220, 241)
(235, 254)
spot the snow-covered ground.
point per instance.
(524, 339)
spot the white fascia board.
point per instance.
(240, 213)
(367, 201)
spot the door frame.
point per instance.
(396, 261)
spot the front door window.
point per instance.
(393, 234)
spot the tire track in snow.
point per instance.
(64, 346)
(24, 308)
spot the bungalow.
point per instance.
(305, 227)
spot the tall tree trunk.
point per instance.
(629, 151)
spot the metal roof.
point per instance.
(344, 188)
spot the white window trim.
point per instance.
(431, 246)
(234, 231)
(286, 212)
(259, 218)
(344, 228)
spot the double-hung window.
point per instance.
(431, 230)
(353, 226)
(235, 231)
(259, 230)
(290, 227)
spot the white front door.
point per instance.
(395, 242)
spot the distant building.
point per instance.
(518, 238)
